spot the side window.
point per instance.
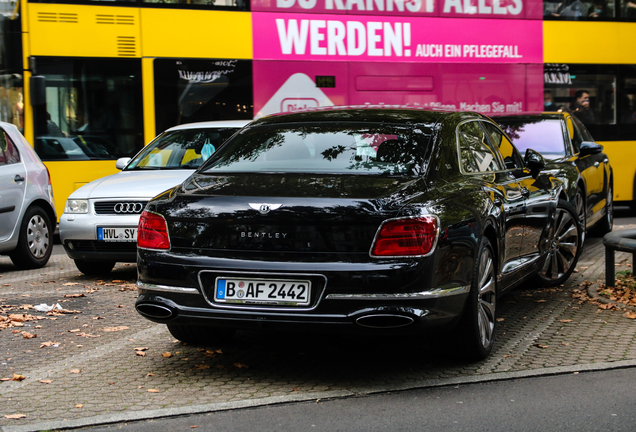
(575, 135)
(511, 157)
(8, 152)
(474, 152)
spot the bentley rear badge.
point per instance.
(264, 208)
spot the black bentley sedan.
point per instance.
(371, 220)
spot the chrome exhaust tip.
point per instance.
(155, 311)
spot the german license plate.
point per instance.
(117, 234)
(263, 291)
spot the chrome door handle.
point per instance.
(596, 164)
(606, 160)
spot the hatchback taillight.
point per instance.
(406, 237)
(152, 232)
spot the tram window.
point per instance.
(578, 9)
(93, 109)
(591, 97)
(189, 91)
(237, 4)
(628, 9)
(628, 101)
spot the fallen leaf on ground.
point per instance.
(153, 391)
(166, 354)
(630, 315)
(540, 346)
(28, 335)
(241, 365)
(115, 329)
(15, 416)
(79, 406)
(75, 371)
(140, 353)
(565, 320)
(18, 377)
(74, 295)
(46, 381)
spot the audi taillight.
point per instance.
(152, 232)
(406, 237)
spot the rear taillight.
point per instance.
(406, 237)
(152, 232)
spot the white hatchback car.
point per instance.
(27, 208)
(99, 225)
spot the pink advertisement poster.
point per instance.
(287, 36)
(287, 86)
(500, 9)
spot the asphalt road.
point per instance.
(593, 401)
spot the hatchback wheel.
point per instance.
(201, 335)
(94, 268)
(563, 246)
(35, 242)
(477, 326)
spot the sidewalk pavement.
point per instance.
(99, 362)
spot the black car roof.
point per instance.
(532, 115)
(401, 115)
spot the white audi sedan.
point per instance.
(99, 225)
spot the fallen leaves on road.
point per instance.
(166, 354)
(541, 346)
(75, 371)
(15, 416)
(46, 381)
(28, 335)
(140, 351)
(153, 391)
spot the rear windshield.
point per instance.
(181, 149)
(542, 135)
(324, 148)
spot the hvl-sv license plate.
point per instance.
(117, 234)
(263, 291)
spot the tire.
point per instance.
(35, 241)
(94, 268)
(579, 206)
(200, 335)
(606, 224)
(564, 246)
(476, 329)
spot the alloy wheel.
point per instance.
(486, 299)
(562, 247)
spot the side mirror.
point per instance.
(534, 161)
(121, 163)
(590, 147)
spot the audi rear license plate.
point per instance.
(262, 291)
(117, 234)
